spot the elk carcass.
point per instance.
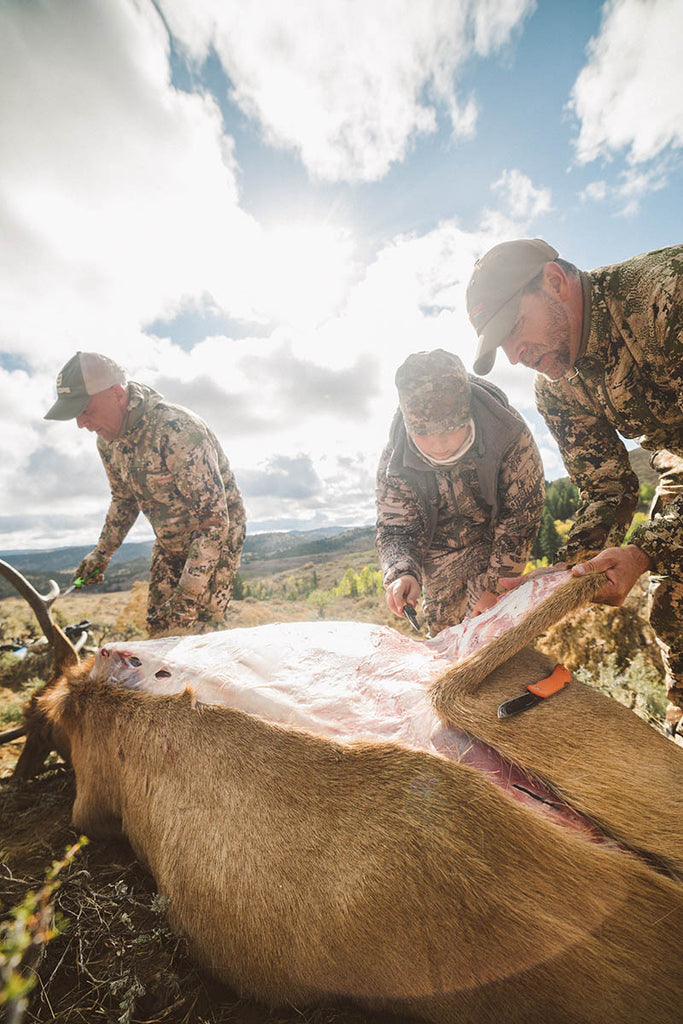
(302, 866)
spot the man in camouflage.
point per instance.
(459, 491)
(608, 348)
(164, 461)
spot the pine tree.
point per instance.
(548, 542)
(238, 588)
(561, 498)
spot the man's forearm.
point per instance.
(661, 539)
(398, 557)
(118, 522)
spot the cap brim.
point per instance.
(498, 328)
(67, 407)
(484, 363)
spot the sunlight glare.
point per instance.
(305, 273)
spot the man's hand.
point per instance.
(623, 567)
(404, 590)
(486, 601)
(91, 570)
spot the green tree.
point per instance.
(561, 498)
(548, 542)
(348, 586)
(320, 599)
(238, 588)
(646, 493)
(369, 581)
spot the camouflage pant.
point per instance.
(666, 592)
(452, 583)
(210, 606)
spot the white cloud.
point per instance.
(120, 207)
(635, 183)
(522, 199)
(595, 191)
(628, 189)
(629, 96)
(348, 85)
(118, 192)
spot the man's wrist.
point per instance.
(396, 574)
(642, 560)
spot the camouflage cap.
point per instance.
(85, 375)
(433, 392)
(495, 290)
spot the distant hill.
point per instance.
(268, 546)
(66, 559)
(264, 553)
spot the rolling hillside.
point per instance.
(264, 554)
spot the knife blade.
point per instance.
(535, 693)
(411, 615)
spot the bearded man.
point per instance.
(607, 346)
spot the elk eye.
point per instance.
(134, 661)
(163, 673)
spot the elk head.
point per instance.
(40, 737)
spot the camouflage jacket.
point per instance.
(492, 497)
(628, 380)
(167, 464)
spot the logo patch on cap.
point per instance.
(477, 314)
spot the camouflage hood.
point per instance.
(141, 400)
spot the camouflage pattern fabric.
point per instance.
(171, 612)
(168, 465)
(666, 591)
(628, 380)
(433, 392)
(469, 551)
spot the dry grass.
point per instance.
(614, 649)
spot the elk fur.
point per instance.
(594, 753)
(464, 677)
(300, 868)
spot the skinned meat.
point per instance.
(347, 681)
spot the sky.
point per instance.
(260, 209)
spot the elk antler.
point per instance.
(38, 732)
(63, 650)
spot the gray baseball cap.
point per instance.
(433, 392)
(495, 291)
(85, 375)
